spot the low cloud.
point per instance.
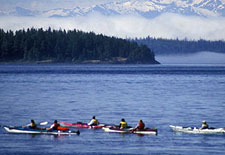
(164, 26)
(197, 58)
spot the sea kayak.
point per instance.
(146, 131)
(81, 125)
(196, 130)
(116, 129)
(39, 131)
(130, 130)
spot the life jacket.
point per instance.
(62, 128)
(95, 121)
(205, 126)
(55, 127)
(123, 125)
(141, 125)
(33, 126)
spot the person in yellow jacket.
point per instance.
(32, 125)
(204, 125)
(93, 121)
(123, 124)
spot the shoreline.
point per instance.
(21, 62)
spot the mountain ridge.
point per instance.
(145, 8)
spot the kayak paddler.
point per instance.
(140, 125)
(123, 124)
(32, 125)
(93, 121)
(54, 126)
(204, 125)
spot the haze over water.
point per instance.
(204, 57)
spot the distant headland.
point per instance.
(73, 46)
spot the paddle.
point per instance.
(132, 129)
(78, 132)
(106, 125)
(41, 123)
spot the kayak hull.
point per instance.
(146, 131)
(131, 130)
(117, 130)
(195, 130)
(38, 131)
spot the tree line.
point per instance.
(69, 46)
(174, 46)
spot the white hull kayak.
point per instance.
(37, 131)
(130, 130)
(147, 131)
(195, 130)
(117, 130)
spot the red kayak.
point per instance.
(81, 125)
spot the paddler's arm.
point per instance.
(91, 122)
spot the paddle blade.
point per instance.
(44, 123)
(78, 132)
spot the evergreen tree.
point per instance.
(72, 46)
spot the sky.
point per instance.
(167, 25)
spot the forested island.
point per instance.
(179, 47)
(73, 46)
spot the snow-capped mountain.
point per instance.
(146, 8)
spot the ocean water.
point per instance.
(160, 95)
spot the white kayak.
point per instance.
(146, 131)
(131, 130)
(38, 131)
(195, 130)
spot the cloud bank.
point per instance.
(164, 26)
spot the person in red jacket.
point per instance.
(141, 125)
(54, 126)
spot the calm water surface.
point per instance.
(160, 95)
